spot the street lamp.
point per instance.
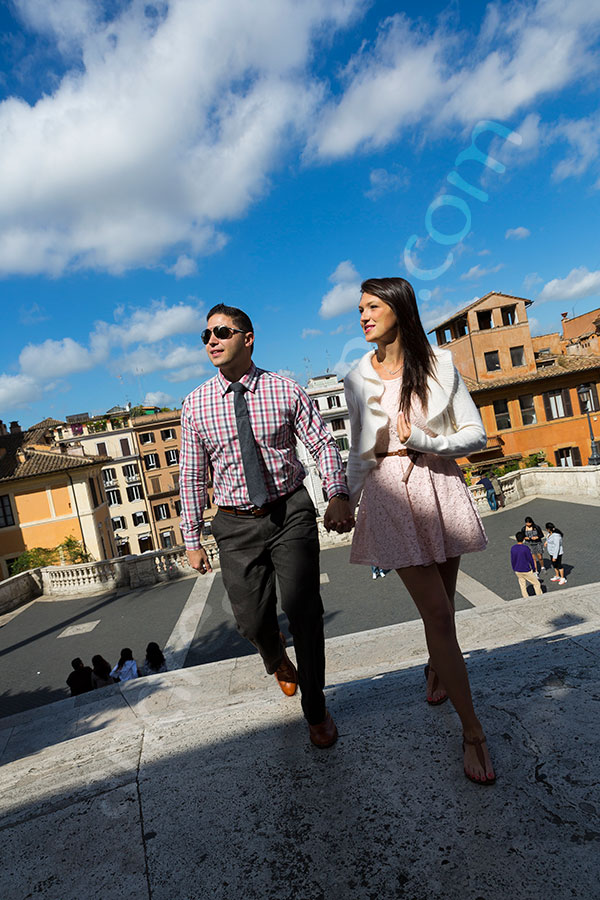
(585, 398)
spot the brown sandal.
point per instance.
(477, 742)
(434, 687)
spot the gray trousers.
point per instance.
(254, 551)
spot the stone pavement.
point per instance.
(201, 783)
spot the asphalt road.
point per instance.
(35, 659)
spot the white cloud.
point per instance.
(579, 283)
(17, 391)
(478, 271)
(54, 359)
(184, 267)
(530, 281)
(383, 182)
(310, 332)
(345, 293)
(517, 234)
(583, 138)
(287, 373)
(409, 75)
(144, 360)
(484, 253)
(32, 315)
(150, 324)
(157, 398)
(166, 123)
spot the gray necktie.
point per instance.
(255, 481)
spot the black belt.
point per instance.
(257, 511)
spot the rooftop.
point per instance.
(560, 365)
(22, 454)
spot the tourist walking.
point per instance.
(554, 545)
(490, 493)
(80, 679)
(126, 668)
(155, 661)
(523, 565)
(534, 539)
(497, 491)
(101, 676)
(410, 416)
(245, 421)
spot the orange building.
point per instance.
(48, 494)
(534, 393)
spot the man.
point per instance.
(245, 422)
(489, 492)
(80, 679)
(523, 565)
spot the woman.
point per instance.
(534, 537)
(155, 661)
(410, 415)
(126, 668)
(101, 676)
(554, 544)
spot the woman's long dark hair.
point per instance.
(419, 359)
(101, 667)
(154, 656)
(551, 527)
(126, 654)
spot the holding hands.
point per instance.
(338, 516)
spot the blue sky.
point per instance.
(157, 158)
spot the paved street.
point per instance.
(35, 658)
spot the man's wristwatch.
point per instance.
(340, 496)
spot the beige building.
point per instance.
(47, 494)
(112, 436)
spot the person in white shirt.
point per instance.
(126, 668)
(554, 545)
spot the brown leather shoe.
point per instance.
(324, 734)
(287, 676)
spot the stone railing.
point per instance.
(569, 482)
(20, 589)
(84, 578)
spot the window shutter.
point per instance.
(594, 394)
(125, 447)
(547, 407)
(576, 456)
(566, 395)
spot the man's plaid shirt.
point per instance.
(280, 411)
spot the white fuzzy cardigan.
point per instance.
(451, 416)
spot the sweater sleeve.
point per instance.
(355, 467)
(468, 436)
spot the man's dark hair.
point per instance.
(240, 319)
(520, 536)
(77, 663)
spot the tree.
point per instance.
(35, 558)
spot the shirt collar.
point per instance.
(249, 379)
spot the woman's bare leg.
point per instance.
(449, 572)
(427, 588)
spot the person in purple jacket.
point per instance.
(523, 565)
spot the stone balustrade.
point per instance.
(20, 589)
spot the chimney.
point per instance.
(2, 428)
(15, 428)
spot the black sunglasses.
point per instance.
(221, 332)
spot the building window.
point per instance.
(101, 449)
(316, 402)
(147, 437)
(588, 398)
(168, 434)
(502, 414)
(557, 404)
(118, 522)
(162, 511)
(178, 507)
(509, 315)
(517, 356)
(172, 457)
(151, 461)
(155, 482)
(492, 361)
(93, 492)
(134, 492)
(484, 319)
(6, 515)
(568, 456)
(338, 424)
(342, 443)
(109, 476)
(114, 497)
(528, 416)
(334, 401)
(125, 449)
(131, 472)
(175, 479)
(140, 518)
(166, 540)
